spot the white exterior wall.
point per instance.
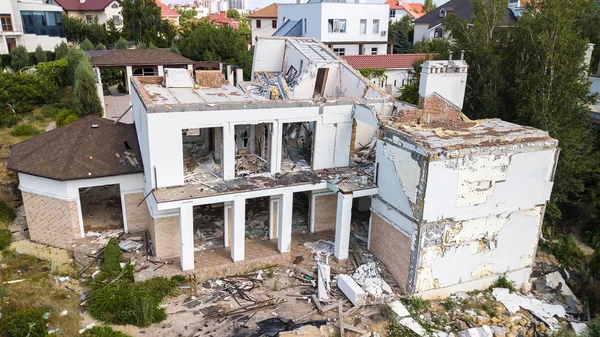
(422, 32)
(266, 28)
(395, 78)
(103, 16)
(31, 41)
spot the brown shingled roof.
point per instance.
(267, 12)
(389, 61)
(134, 57)
(79, 151)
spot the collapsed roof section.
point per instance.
(287, 72)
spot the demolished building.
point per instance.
(454, 203)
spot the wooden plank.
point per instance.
(317, 303)
(355, 329)
(341, 318)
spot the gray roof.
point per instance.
(461, 8)
(290, 28)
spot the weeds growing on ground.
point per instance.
(503, 282)
(25, 130)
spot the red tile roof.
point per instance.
(413, 9)
(390, 61)
(220, 20)
(270, 11)
(88, 5)
(166, 11)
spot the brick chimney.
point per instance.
(447, 78)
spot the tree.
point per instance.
(77, 30)
(86, 45)
(100, 46)
(224, 44)
(401, 43)
(437, 47)
(122, 44)
(74, 57)
(85, 92)
(141, 20)
(484, 39)
(186, 15)
(232, 13)
(19, 58)
(175, 49)
(40, 54)
(410, 92)
(428, 6)
(144, 45)
(61, 50)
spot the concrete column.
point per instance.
(342, 225)
(186, 233)
(228, 151)
(239, 229)
(227, 223)
(128, 74)
(161, 70)
(284, 223)
(252, 139)
(275, 155)
(239, 75)
(229, 75)
(273, 216)
(190, 67)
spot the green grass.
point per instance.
(25, 130)
(103, 331)
(503, 282)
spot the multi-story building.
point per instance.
(30, 23)
(94, 11)
(348, 28)
(454, 203)
(400, 9)
(263, 22)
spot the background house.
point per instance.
(400, 9)
(167, 13)
(222, 20)
(398, 69)
(263, 22)
(348, 28)
(30, 23)
(90, 11)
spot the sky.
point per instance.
(254, 4)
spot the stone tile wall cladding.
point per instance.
(325, 212)
(165, 236)
(392, 247)
(138, 217)
(51, 221)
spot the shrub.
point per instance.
(22, 107)
(51, 110)
(125, 302)
(594, 327)
(8, 119)
(55, 72)
(100, 46)
(418, 304)
(103, 331)
(112, 257)
(5, 238)
(7, 213)
(19, 58)
(86, 45)
(503, 282)
(567, 252)
(122, 44)
(65, 116)
(85, 92)
(26, 88)
(591, 232)
(26, 322)
(61, 50)
(121, 88)
(40, 55)
(25, 130)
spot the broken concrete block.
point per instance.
(579, 328)
(410, 323)
(482, 331)
(351, 289)
(399, 309)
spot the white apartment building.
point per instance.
(30, 23)
(263, 22)
(94, 11)
(348, 28)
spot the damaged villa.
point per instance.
(216, 166)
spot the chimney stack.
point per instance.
(445, 78)
(223, 14)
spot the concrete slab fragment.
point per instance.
(351, 289)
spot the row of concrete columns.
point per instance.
(281, 216)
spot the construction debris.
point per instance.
(544, 311)
(351, 289)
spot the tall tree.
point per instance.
(40, 54)
(19, 58)
(401, 43)
(428, 6)
(141, 20)
(61, 50)
(232, 13)
(122, 43)
(85, 93)
(74, 57)
(86, 45)
(483, 38)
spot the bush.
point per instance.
(503, 282)
(594, 327)
(103, 331)
(591, 232)
(5, 238)
(74, 57)
(100, 46)
(86, 45)
(51, 110)
(112, 257)
(61, 50)
(567, 252)
(40, 55)
(125, 302)
(122, 44)
(26, 322)
(19, 58)
(25, 130)
(65, 116)
(26, 88)
(7, 213)
(8, 119)
(55, 72)
(121, 88)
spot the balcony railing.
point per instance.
(45, 30)
(11, 28)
